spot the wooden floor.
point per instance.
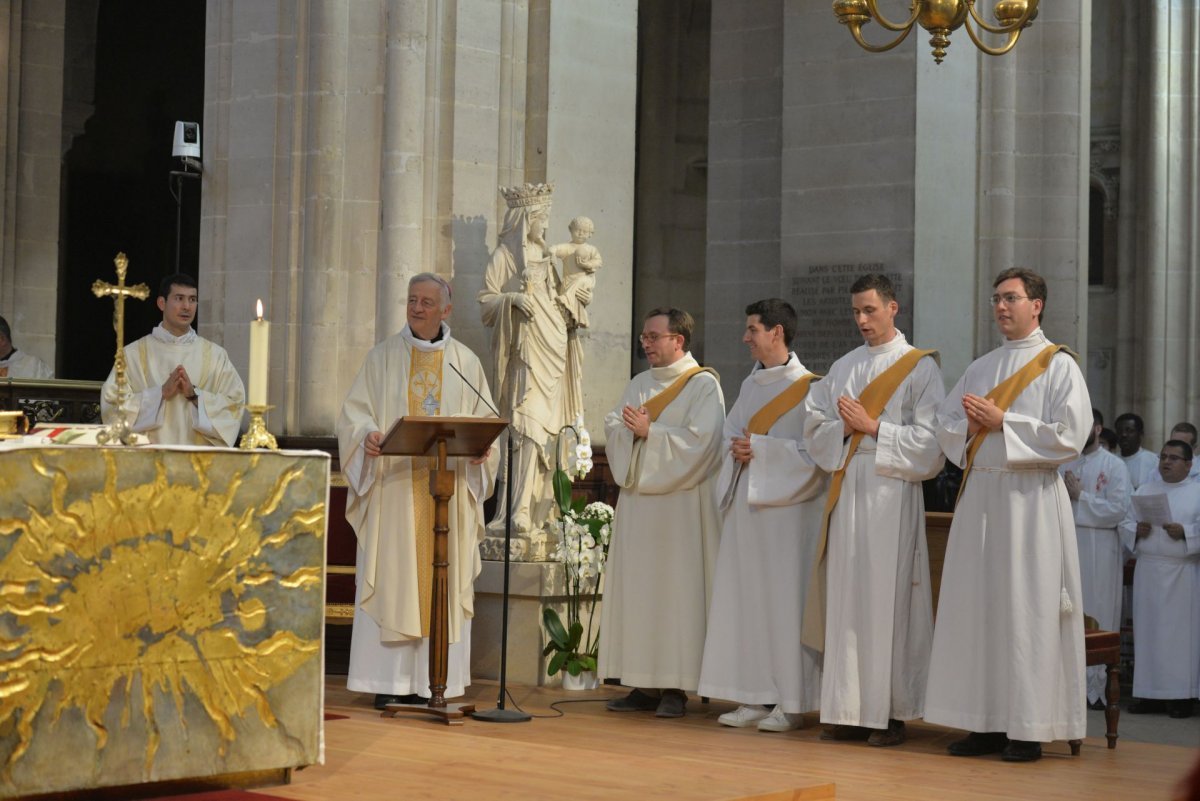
(590, 753)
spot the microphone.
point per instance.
(473, 389)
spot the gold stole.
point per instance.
(1003, 395)
(424, 384)
(662, 400)
(780, 405)
(874, 398)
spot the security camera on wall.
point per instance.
(187, 144)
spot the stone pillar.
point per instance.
(1167, 383)
(31, 101)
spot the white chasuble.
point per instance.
(1008, 649)
(658, 580)
(389, 642)
(1166, 597)
(879, 612)
(772, 508)
(1102, 504)
(213, 419)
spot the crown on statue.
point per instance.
(527, 195)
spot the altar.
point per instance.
(162, 614)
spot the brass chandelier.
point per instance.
(940, 18)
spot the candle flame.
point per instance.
(259, 306)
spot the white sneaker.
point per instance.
(743, 716)
(779, 720)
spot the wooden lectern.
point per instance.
(445, 437)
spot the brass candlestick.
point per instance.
(119, 430)
(258, 436)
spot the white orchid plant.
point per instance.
(586, 529)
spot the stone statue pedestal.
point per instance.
(537, 546)
(532, 586)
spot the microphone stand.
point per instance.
(500, 714)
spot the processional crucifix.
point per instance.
(119, 430)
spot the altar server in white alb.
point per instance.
(18, 363)
(1008, 662)
(772, 496)
(1141, 463)
(871, 424)
(391, 509)
(1098, 485)
(1186, 432)
(1166, 590)
(664, 447)
(183, 388)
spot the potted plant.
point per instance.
(585, 531)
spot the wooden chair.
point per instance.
(1104, 648)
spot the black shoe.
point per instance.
(1180, 709)
(636, 701)
(673, 704)
(1021, 751)
(382, 701)
(979, 743)
(894, 734)
(1146, 706)
(1098, 705)
(843, 732)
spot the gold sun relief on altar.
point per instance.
(173, 587)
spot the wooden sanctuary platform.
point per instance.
(590, 753)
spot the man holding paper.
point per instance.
(1008, 658)
(420, 371)
(1163, 531)
(183, 388)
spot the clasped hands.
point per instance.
(855, 418)
(1174, 530)
(636, 420)
(178, 383)
(982, 413)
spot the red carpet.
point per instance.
(333, 716)
(218, 795)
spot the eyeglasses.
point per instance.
(1172, 457)
(1008, 298)
(651, 338)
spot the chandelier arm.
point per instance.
(873, 8)
(855, 31)
(1016, 26)
(993, 51)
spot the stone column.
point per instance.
(31, 101)
(1167, 372)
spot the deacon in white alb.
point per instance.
(872, 418)
(772, 496)
(664, 447)
(183, 388)
(391, 510)
(1008, 660)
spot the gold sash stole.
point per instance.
(656, 405)
(780, 405)
(424, 380)
(874, 398)
(1003, 395)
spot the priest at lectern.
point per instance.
(391, 509)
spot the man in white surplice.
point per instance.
(772, 496)
(666, 531)
(391, 510)
(184, 390)
(1008, 661)
(1166, 590)
(1098, 485)
(1186, 432)
(879, 614)
(18, 363)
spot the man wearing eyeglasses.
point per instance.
(871, 424)
(664, 448)
(1166, 589)
(1008, 659)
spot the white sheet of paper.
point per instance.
(1152, 509)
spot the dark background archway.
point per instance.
(148, 72)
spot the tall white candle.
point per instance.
(260, 348)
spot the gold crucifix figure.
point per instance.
(119, 430)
